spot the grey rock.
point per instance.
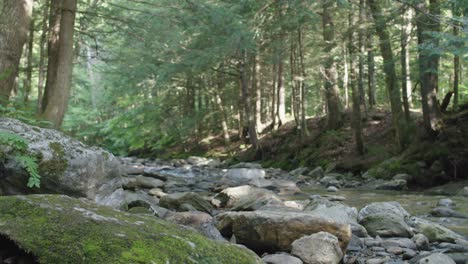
(464, 192)
(247, 165)
(67, 166)
(421, 241)
(202, 222)
(316, 173)
(433, 231)
(436, 258)
(175, 201)
(273, 230)
(300, 171)
(399, 242)
(281, 258)
(242, 176)
(246, 198)
(446, 202)
(318, 248)
(390, 208)
(332, 189)
(447, 212)
(397, 185)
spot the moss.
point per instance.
(60, 229)
(55, 167)
(105, 155)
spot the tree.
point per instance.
(15, 21)
(428, 25)
(389, 70)
(405, 61)
(330, 72)
(60, 66)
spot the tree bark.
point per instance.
(247, 101)
(59, 70)
(389, 69)
(331, 76)
(29, 67)
(15, 19)
(429, 65)
(456, 59)
(362, 51)
(42, 57)
(405, 62)
(355, 79)
(371, 89)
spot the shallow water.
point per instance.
(417, 204)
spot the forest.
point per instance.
(306, 131)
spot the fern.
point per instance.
(19, 153)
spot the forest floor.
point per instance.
(335, 150)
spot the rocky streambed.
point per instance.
(306, 216)
(130, 210)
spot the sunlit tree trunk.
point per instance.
(346, 75)
(456, 58)
(362, 51)
(405, 61)
(247, 101)
(15, 20)
(371, 87)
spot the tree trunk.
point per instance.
(281, 105)
(29, 67)
(362, 50)
(331, 76)
(247, 101)
(59, 70)
(405, 62)
(354, 84)
(389, 69)
(429, 65)
(456, 59)
(371, 90)
(258, 92)
(346, 75)
(15, 20)
(304, 129)
(42, 57)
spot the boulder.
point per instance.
(65, 165)
(397, 185)
(433, 231)
(316, 173)
(176, 201)
(245, 198)
(436, 258)
(202, 222)
(60, 229)
(338, 212)
(464, 192)
(446, 202)
(447, 212)
(318, 248)
(243, 176)
(299, 171)
(386, 219)
(276, 230)
(247, 165)
(421, 241)
(281, 258)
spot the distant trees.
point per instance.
(167, 72)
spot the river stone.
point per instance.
(281, 258)
(433, 231)
(447, 212)
(200, 221)
(61, 229)
(436, 258)
(65, 165)
(392, 208)
(318, 248)
(179, 201)
(386, 225)
(276, 230)
(243, 176)
(421, 241)
(246, 165)
(239, 197)
(464, 192)
(316, 173)
(299, 171)
(397, 185)
(446, 202)
(338, 212)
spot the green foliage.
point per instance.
(18, 151)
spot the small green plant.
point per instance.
(18, 151)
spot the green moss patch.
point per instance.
(60, 229)
(55, 167)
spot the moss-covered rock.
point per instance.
(60, 229)
(65, 165)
